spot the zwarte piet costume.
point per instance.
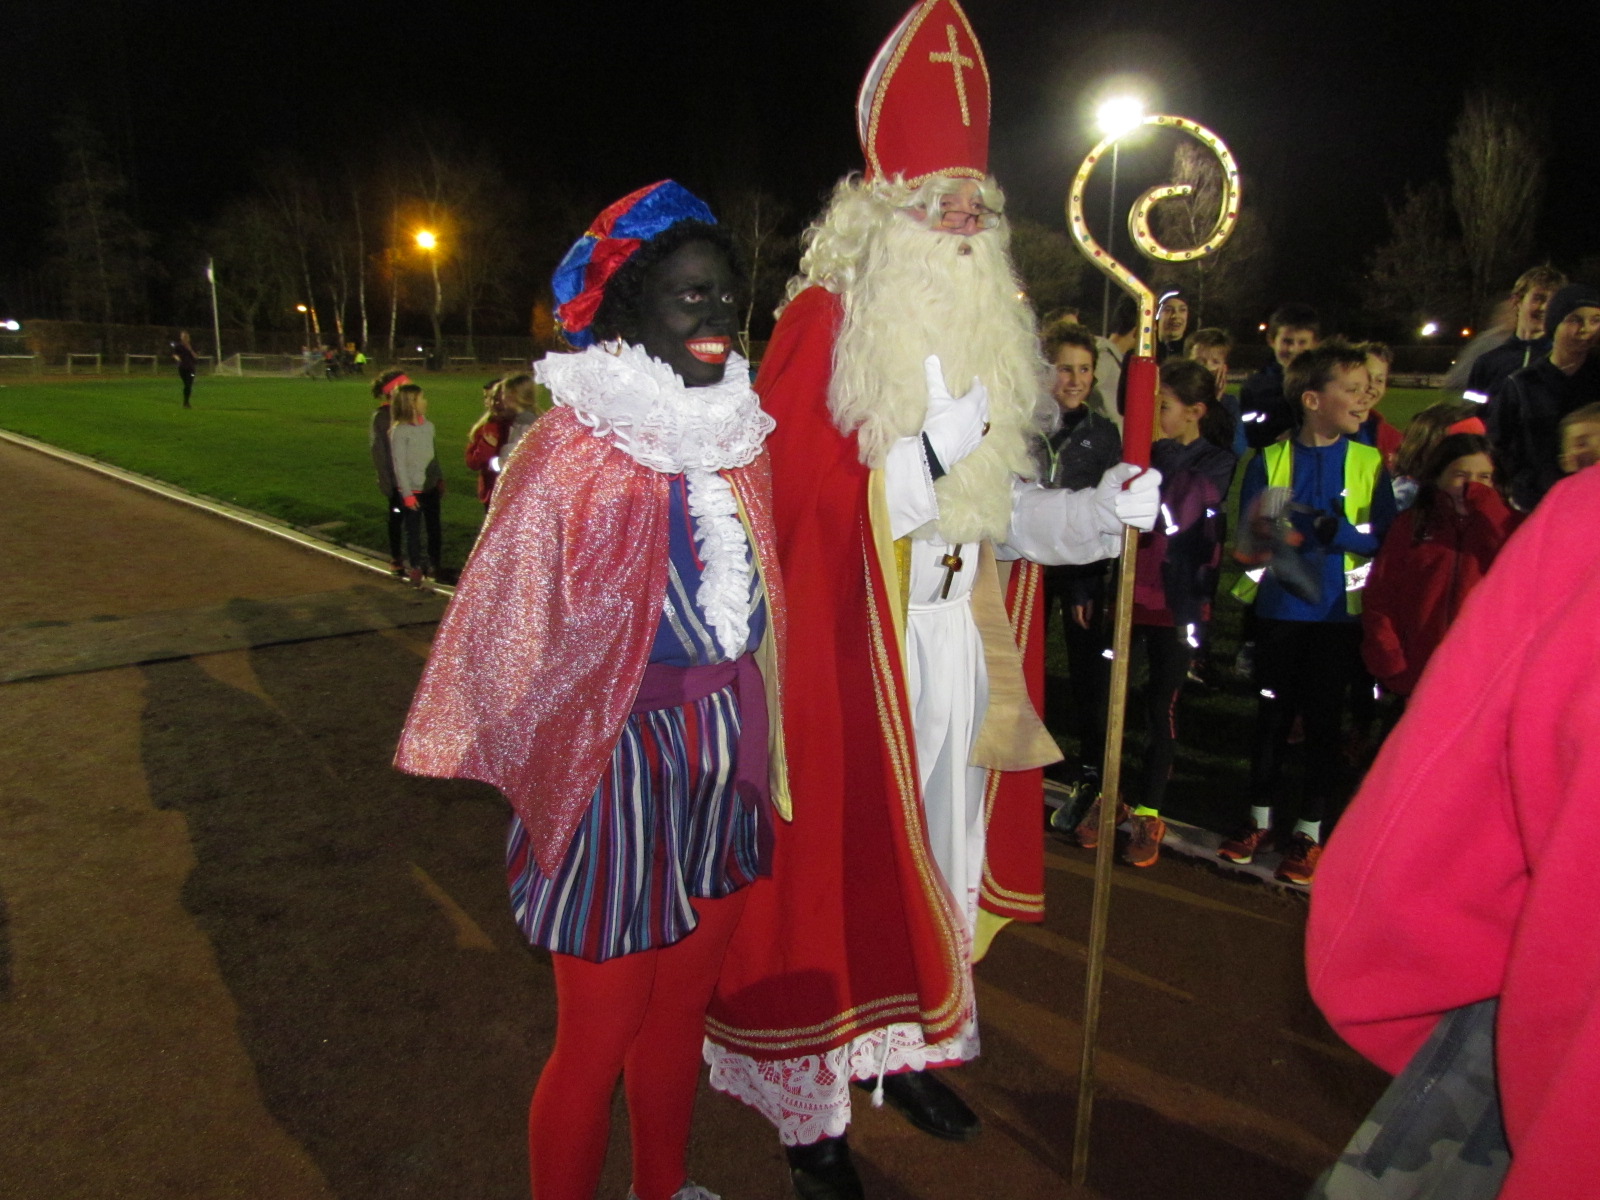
(609, 663)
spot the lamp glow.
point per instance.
(1431, 328)
(300, 308)
(1119, 114)
(426, 240)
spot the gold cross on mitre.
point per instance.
(957, 61)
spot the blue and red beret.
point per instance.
(609, 242)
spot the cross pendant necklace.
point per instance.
(951, 564)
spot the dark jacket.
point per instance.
(1078, 453)
(1176, 570)
(1494, 367)
(382, 455)
(1264, 412)
(1524, 420)
(1074, 457)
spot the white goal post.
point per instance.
(129, 359)
(261, 366)
(90, 363)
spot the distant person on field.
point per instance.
(1335, 498)
(1580, 438)
(1172, 322)
(525, 400)
(417, 479)
(1434, 555)
(1529, 340)
(183, 354)
(1524, 417)
(1266, 413)
(383, 389)
(485, 439)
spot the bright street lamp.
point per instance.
(306, 313)
(1118, 115)
(1115, 117)
(1431, 328)
(430, 243)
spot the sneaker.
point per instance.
(1242, 846)
(1145, 846)
(1299, 860)
(1244, 663)
(1079, 793)
(1088, 829)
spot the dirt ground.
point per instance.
(240, 956)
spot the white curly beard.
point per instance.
(916, 292)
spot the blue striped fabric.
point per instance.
(665, 823)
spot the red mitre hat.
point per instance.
(924, 105)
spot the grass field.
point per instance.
(292, 448)
(297, 449)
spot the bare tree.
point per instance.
(1497, 168)
(758, 221)
(1048, 265)
(254, 264)
(1420, 272)
(101, 254)
(1223, 285)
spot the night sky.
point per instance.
(1329, 107)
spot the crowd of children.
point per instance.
(1359, 541)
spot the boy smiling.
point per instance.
(1308, 642)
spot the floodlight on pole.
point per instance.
(1117, 115)
(1431, 328)
(430, 243)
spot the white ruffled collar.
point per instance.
(644, 409)
(641, 405)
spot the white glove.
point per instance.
(954, 428)
(1136, 506)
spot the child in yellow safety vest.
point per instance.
(1308, 640)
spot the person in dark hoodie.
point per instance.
(1174, 580)
(1083, 447)
(1172, 322)
(1264, 410)
(1524, 418)
(1529, 342)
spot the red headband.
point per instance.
(397, 381)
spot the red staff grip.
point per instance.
(1139, 415)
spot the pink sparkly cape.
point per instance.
(540, 655)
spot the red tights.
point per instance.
(641, 1016)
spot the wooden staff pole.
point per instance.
(1138, 430)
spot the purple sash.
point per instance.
(667, 686)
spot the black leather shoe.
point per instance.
(930, 1105)
(823, 1171)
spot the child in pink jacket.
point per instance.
(1462, 870)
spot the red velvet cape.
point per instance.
(855, 929)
